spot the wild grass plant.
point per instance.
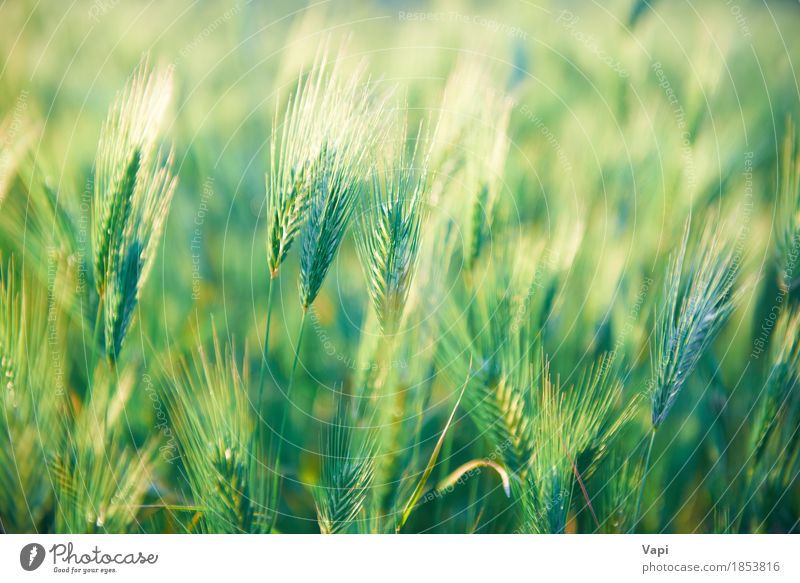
(215, 427)
(345, 126)
(698, 300)
(537, 294)
(347, 473)
(133, 190)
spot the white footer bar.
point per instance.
(407, 558)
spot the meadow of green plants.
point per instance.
(399, 266)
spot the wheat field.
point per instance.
(399, 267)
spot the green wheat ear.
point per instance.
(209, 407)
(698, 299)
(569, 423)
(99, 481)
(788, 225)
(11, 330)
(342, 163)
(330, 125)
(471, 138)
(547, 487)
(132, 193)
(293, 151)
(329, 213)
(389, 233)
(782, 380)
(348, 469)
(490, 330)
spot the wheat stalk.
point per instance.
(293, 152)
(210, 411)
(348, 469)
(696, 306)
(133, 190)
(782, 380)
(389, 233)
(328, 131)
(342, 162)
(100, 483)
(569, 423)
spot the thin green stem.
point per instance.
(91, 373)
(277, 471)
(384, 363)
(98, 322)
(444, 471)
(387, 407)
(97, 359)
(264, 364)
(644, 478)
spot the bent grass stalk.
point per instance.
(409, 505)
